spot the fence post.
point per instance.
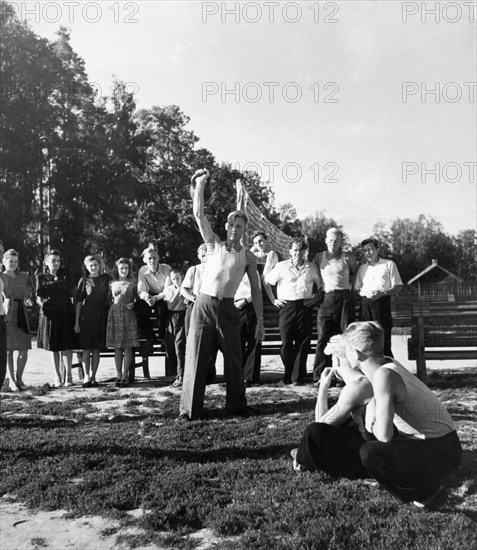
(421, 351)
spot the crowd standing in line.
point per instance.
(116, 313)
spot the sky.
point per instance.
(365, 110)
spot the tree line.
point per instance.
(90, 174)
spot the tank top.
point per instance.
(421, 415)
(335, 273)
(224, 270)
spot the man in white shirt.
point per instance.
(376, 281)
(215, 319)
(152, 279)
(337, 269)
(295, 279)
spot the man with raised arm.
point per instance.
(215, 319)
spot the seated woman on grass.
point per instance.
(416, 443)
(331, 444)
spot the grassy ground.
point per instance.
(121, 451)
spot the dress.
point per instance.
(16, 290)
(57, 314)
(122, 324)
(93, 293)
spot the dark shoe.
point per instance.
(118, 382)
(183, 418)
(94, 383)
(248, 384)
(87, 384)
(287, 381)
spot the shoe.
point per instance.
(117, 383)
(94, 383)
(68, 384)
(87, 384)
(124, 382)
(56, 384)
(315, 384)
(287, 381)
(298, 383)
(13, 386)
(435, 501)
(296, 466)
(248, 383)
(177, 382)
(183, 417)
(21, 385)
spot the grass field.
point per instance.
(121, 451)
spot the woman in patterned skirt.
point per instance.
(18, 289)
(91, 316)
(121, 333)
(55, 290)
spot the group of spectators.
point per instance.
(104, 311)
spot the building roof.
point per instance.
(445, 273)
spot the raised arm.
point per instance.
(200, 178)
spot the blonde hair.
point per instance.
(366, 337)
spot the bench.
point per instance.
(451, 326)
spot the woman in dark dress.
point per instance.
(54, 290)
(91, 316)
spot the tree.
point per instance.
(413, 244)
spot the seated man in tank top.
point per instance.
(337, 269)
(416, 443)
(215, 319)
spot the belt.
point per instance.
(339, 290)
(217, 298)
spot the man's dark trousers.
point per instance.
(296, 326)
(380, 311)
(335, 314)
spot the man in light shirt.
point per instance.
(337, 268)
(215, 319)
(376, 281)
(295, 279)
(152, 279)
